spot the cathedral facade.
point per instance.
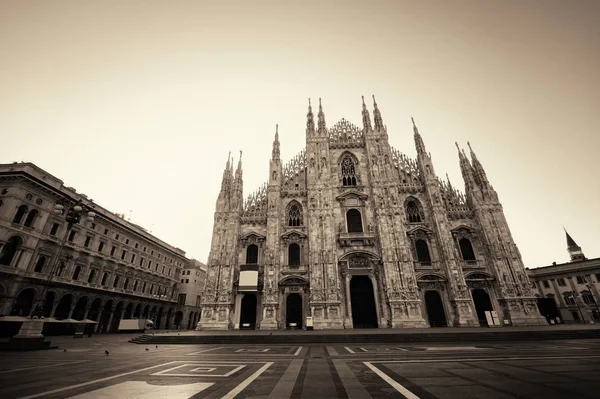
(352, 233)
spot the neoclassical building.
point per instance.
(109, 268)
(353, 233)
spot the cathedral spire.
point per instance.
(574, 250)
(366, 117)
(377, 116)
(322, 126)
(310, 120)
(238, 172)
(465, 168)
(480, 175)
(276, 153)
(418, 139)
(226, 174)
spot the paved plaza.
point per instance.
(549, 369)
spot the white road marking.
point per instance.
(332, 351)
(298, 351)
(450, 348)
(398, 387)
(363, 349)
(83, 384)
(235, 369)
(252, 350)
(204, 351)
(478, 359)
(402, 349)
(204, 369)
(141, 389)
(235, 391)
(39, 367)
(349, 350)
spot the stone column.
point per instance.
(348, 319)
(376, 295)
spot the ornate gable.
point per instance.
(252, 237)
(352, 193)
(419, 231)
(345, 134)
(293, 235)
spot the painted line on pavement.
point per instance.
(286, 383)
(332, 351)
(479, 359)
(83, 384)
(354, 389)
(349, 350)
(204, 351)
(298, 351)
(363, 349)
(236, 391)
(398, 387)
(39, 367)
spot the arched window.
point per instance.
(422, 251)
(294, 255)
(60, 269)
(20, 213)
(10, 250)
(354, 221)
(252, 255)
(151, 289)
(126, 283)
(135, 285)
(413, 213)
(116, 282)
(294, 215)
(466, 249)
(104, 278)
(144, 288)
(91, 276)
(30, 221)
(348, 171)
(76, 273)
(39, 265)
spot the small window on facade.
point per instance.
(132, 258)
(117, 236)
(581, 280)
(561, 282)
(105, 231)
(104, 278)
(72, 235)
(141, 261)
(21, 211)
(546, 284)
(54, 229)
(100, 246)
(569, 300)
(127, 241)
(413, 213)
(144, 249)
(354, 221)
(466, 249)
(187, 280)
(123, 254)
(136, 245)
(76, 273)
(30, 220)
(252, 255)
(152, 253)
(39, 266)
(9, 250)
(294, 216)
(91, 276)
(348, 172)
(116, 282)
(60, 269)
(294, 255)
(422, 250)
(112, 251)
(93, 226)
(588, 298)
(87, 241)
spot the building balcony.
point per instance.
(356, 239)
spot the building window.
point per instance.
(76, 273)
(181, 299)
(72, 235)
(39, 265)
(105, 231)
(93, 226)
(21, 211)
(561, 282)
(123, 254)
(294, 215)
(9, 250)
(100, 246)
(252, 254)
(126, 283)
(581, 280)
(61, 268)
(354, 221)
(112, 251)
(149, 264)
(466, 249)
(104, 278)
(413, 212)
(144, 288)
(569, 300)
(127, 241)
(87, 241)
(141, 261)
(136, 245)
(116, 282)
(348, 171)
(187, 280)
(117, 236)
(152, 253)
(54, 229)
(144, 249)
(294, 255)
(546, 284)
(135, 285)
(30, 221)
(132, 258)
(422, 250)
(91, 276)
(588, 298)
(598, 277)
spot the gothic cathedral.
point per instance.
(352, 233)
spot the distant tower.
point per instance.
(574, 250)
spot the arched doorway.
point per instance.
(79, 311)
(64, 307)
(362, 299)
(178, 319)
(116, 317)
(248, 312)
(293, 310)
(482, 304)
(48, 304)
(435, 309)
(24, 303)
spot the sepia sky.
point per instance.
(137, 103)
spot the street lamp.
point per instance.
(73, 217)
(574, 296)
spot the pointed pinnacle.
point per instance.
(320, 108)
(363, 100)
(374, 102)
(277, 132)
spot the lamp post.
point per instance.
(73, 217)
(574, 296)
(593, 298)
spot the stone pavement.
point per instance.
(550, 369)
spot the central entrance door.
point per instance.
(362, 300)
(482, 304)
(293, 311)
(248, 312)
(435, 309)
